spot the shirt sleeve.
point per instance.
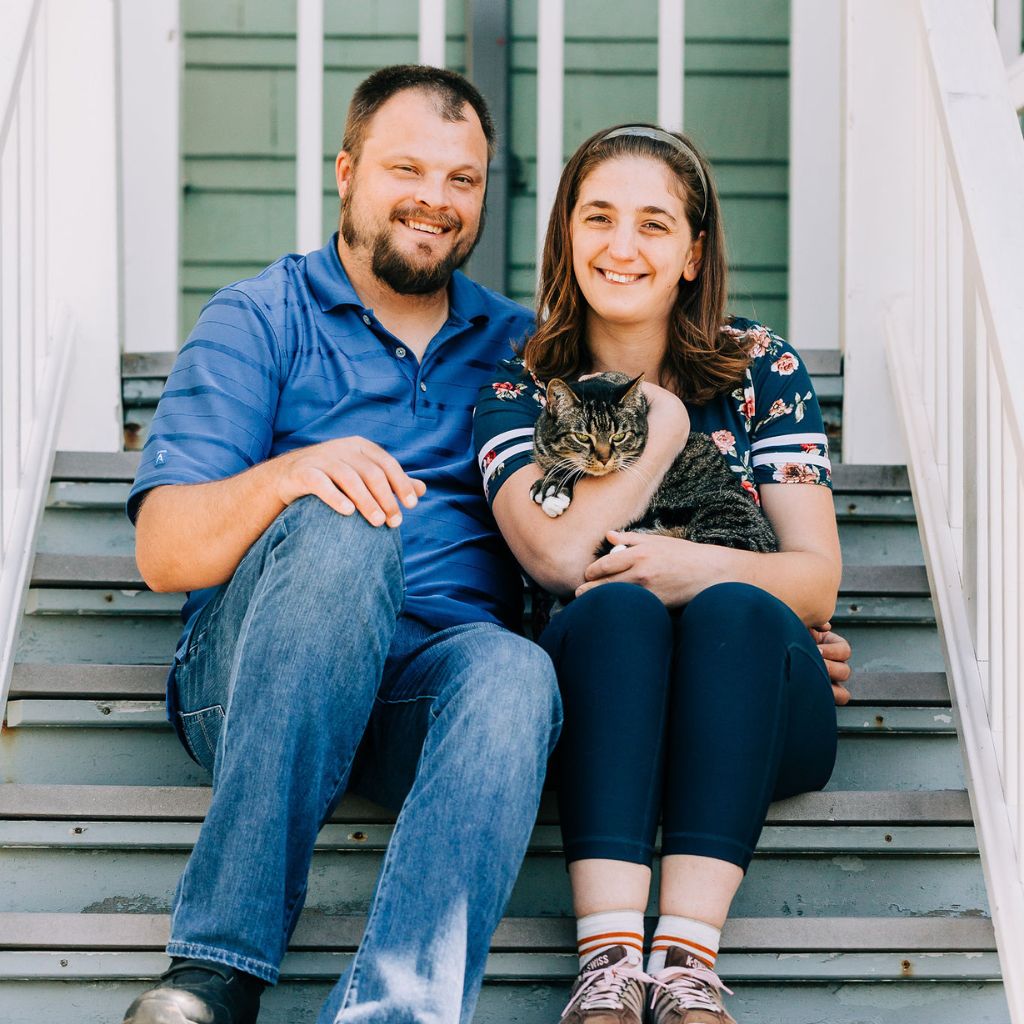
(215, 417)
(503, 423)
(787, 433)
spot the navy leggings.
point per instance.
(701, 717)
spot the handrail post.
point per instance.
(550, 113)
(309, 131)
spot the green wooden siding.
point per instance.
(239, 124)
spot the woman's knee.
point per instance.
(739, 609)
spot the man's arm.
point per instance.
(190, 536)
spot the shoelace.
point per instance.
(689, 987)
(601, 989)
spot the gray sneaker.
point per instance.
(686, 991)
(609, 990)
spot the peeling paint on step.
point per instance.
(849, 863)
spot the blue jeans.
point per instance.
(302, 676)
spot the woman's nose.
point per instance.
(623, 243)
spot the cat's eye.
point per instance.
(584, 438)
(618, 438)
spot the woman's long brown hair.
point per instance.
(702, 360)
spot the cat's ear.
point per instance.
(560, 397)
(631, 390)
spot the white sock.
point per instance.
(696, 937)
(597, 932)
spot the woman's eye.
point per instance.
(653, 225)
(598, 218)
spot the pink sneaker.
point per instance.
(609, 990)
(686, 991)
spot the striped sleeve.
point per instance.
(788, 440)
(506, 411)
(215, 417)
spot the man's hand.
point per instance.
(349, 474)
(836, 651)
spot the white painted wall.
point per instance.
(877, 259)
(150, 88)
(815, 121)
(82, 175)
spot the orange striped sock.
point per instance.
(698, 938)
(596, 933)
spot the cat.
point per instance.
(599, 425)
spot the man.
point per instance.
(310, 479)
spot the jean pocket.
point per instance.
(202, 730)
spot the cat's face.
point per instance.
(598, 425)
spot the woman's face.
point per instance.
(631, 242)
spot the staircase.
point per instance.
(865, 904)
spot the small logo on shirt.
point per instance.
(161, 456)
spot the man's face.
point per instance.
(412, 206)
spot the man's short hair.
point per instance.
(451, 91)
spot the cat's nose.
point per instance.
(603, 453)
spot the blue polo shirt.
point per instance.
(293, 357)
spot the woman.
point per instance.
(693, 690)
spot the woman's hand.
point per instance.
(836, 651)
(674, 570)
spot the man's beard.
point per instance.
(394, 268)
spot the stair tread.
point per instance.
(121, 572)
(37, 680)
(121, 466)
(143, 365)
(189, 803)
(822, 967)
(44, 930)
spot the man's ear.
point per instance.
(343, 169)
(560, 397)
(692, 268)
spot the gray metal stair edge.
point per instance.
(122, 466)
(190, 803)
(121, 572)
(37, 680)
(144, 365)
(150, 931)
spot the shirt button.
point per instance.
(423, 387)
(400, 352)
(366, 320)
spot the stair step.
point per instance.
(733, 966)
(121, 466)
(824, 838)
(190, 803)
(40, 681)
(137, 366)
(120, 572)
(342, 932)
(143, 714)
(851, 506)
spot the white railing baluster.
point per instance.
(956, 371)
(671, 63)
(550, 90)
(432, 33)
(309, 132)
(34, 345)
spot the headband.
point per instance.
(669, 140)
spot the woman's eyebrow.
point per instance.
(603, 204)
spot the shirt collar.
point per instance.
(330, 284)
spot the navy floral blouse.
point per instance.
(769, 430)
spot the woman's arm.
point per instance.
(555, 552)
(804, 573)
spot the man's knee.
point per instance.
(318, 544)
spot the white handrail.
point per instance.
(1015, 81)
(956, 352)
(309, 132)
(34, 354)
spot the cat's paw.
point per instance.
(555, 504)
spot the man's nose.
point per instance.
(433, 192)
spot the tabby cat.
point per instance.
(599, 425)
